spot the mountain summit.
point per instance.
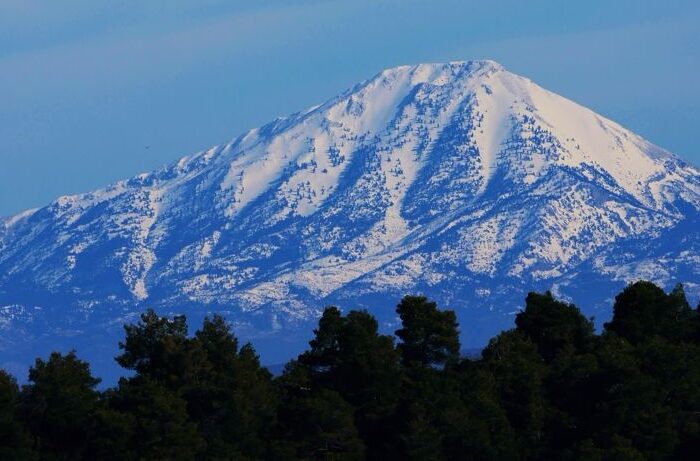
(461, 181)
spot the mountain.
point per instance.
(461, 181)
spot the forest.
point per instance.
(550, 388)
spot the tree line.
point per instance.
(549, 388)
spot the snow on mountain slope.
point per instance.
(462, 181)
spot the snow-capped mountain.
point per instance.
(461, 181)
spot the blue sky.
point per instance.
(86, 85)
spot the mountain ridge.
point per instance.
(460, 180)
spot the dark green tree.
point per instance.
(674, 369)
(630, 404)
(158, 348)
(519, 372)
(429, 337)
(232, 399)
(570, 387)
(59, 406)
(14, 439)
(432, 409)
(227, 395)
(112, 439)
(554, 326)
(643, 310)
(350, 357)
(313, 424)
(420, 438)
(151, 422)
(472, 422)
(565, 340)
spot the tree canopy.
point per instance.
(549, 388)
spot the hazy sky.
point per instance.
(87, 85)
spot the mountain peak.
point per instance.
(440, 72)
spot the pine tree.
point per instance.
(520, 371)
(350, 357)
(313, 424)
(643, 310)
(232, 400)
(429, 348)
(152, 422)
(14, 439)
(59, 405)
(474, 422)
(158, 347)
(554, 326)
(429, 337)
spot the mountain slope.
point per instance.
(462, 181)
